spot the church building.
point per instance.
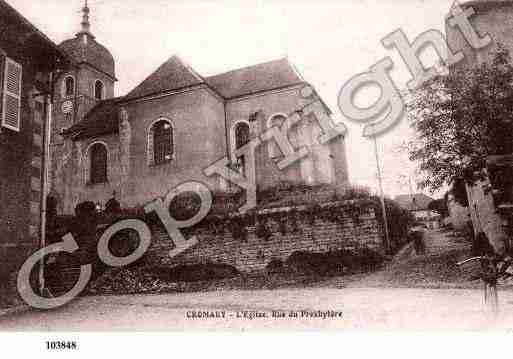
(174, 125)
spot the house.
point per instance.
(174, 125)
(28, 64)
(459, 214)
(489, 206)
(418, 205)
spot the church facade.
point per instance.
(174, 125)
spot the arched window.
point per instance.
(162, 133)
(98, 163)
(68, 88)
(275, 121)
(242, 137)
(98, 90)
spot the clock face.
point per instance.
(306, 92)
(67, 107)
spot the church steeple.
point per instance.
(86, 25)
(84, 48)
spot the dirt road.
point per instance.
(367, 309)
(365, 302)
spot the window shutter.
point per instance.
(2, 73)
(11, 97)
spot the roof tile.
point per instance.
(257, 78)
(172, 75)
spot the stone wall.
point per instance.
(302, 231)
(20, 167)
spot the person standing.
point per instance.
(113, 206)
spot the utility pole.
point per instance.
(47, 133)
(382, 193)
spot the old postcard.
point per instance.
(269, 165)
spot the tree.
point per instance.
(460, 192)
(460, 118)
(439, 206)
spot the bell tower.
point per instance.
(88, 82)
(85, 84)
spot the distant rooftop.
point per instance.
(415, 202)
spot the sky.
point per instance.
(329, 41)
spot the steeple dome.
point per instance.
(84, 48)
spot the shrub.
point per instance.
(368, 259)
(185, 206)
(85, 210)
(194, 273)
(124, 243)
(321, 264)
(275, 266)
(334, 262)
(263, 231)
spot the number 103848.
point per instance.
(61, 345)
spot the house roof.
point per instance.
(486, 4)
(11, 20)
(415, 202)
(172, 75)
(253, 79)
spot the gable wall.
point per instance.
(198, 122)
(198, 125)
(326, 163)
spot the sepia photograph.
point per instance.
(252, 166)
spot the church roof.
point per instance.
(172, 75)
(90, 52)
(101, 120)
(83, 48)
(253, 79)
